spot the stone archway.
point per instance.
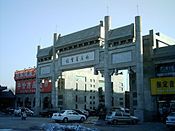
(107, 50)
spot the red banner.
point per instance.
(29, 86)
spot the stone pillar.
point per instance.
(37, 91)
(131, 91)
(139, 112)
(54, 92)
(107, 77)
(150, 109)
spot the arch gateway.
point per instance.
(107, 50)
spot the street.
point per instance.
(36, 123)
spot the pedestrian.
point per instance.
(23, 114)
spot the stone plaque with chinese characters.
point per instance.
(79, 58)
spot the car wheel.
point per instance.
(82, 119)
(114, 122)
(65, 120)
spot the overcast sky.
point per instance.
(25, 24)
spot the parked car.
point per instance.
(17, 111)
(119, 117)
(47, 113)
(68, 115)
(82, 112)
(85, 112)
(9, 110)
(92, 112)
(170, 119)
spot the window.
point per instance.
(30, 73)
(121, 99)
(93, 97)
(93, 102)
(85, 86)
(18, 84)
(34, 84)
(84, 98)
(90, 97)
(134, 94)
(23, 84)
(135, 102)
(76, 98)
(121, 103)
(76, 87)
(28, 85)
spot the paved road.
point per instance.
(34, 123)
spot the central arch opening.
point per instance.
(81, 89)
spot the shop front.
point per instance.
(163, 88)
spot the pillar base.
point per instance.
(140, 114)
(37, 110)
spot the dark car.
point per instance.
(92, 112)
(9, 110)
(47, 113)
(81, 112)
(17, 111)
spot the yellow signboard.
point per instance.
(163, 85)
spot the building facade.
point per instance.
(26, 88)
(77, 89)
(159, 74)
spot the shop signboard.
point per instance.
(163, 85)
(167, 69)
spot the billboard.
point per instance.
(163, 85)
(28, 86)
(165, 70)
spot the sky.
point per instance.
(25, 24)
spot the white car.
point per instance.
(68, 115)
(170, 119)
